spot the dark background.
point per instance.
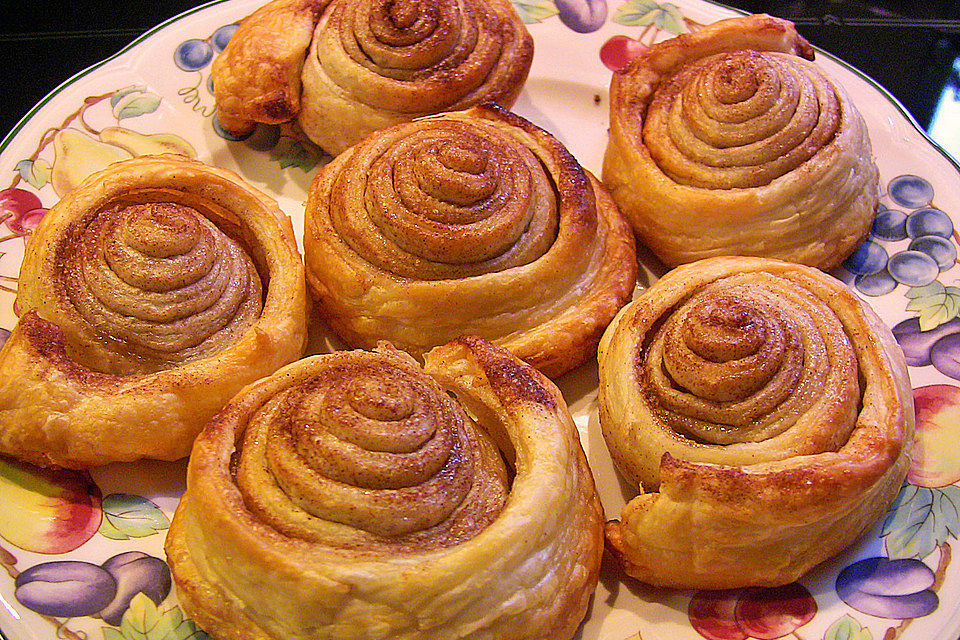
(908, 47)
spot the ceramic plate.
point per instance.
(156, 95)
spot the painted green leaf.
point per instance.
(144, 620)
(933, 288)
(291, 152)
(847, 628)
(671, 18)
(128, 516)
(112, 633)
(135, 103)
(920, 520)
(953, 299)
(921, 302)
(119, 94)
(533, 11)
(934, 316)
(934, 303)
(34, 172)
(180, 627)
(637, 13)
(947, 507)
(640, 13)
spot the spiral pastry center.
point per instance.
(726, 349)
(367, 447)
(446, 199)
(740, 119)
(724, 330)
(402, 37)
(736, 83)
(454, 173)
(739, 360)
(161, 280)
(404, 15)
(163, 231)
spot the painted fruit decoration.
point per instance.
(898, 589)
(135, 572)
(619, 51)
(79, 148)
(755, 612)
(20, 210)
(58, 510)
(911, 243)
(74, 588)
(939, 346)
(582, 16)
(936, 458)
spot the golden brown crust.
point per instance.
(345, 69)
(150, 294)
(260, 560)
(470, 222)
(730, 141)
(789, 439)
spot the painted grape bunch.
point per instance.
(913, 245)
(909, 247)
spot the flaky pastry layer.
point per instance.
(149, 295)
(473, 222)
(344, 69)
(765, 414)
(413, 529)
(730, 140)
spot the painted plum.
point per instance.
(135, 572)
(65, 588)
(582, 16)
(897, 589)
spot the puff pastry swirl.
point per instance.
(150, 294)
(344, 69)
(471, 222)
(350, 495)
(765, 414)
(731, 141)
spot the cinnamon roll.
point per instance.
(355, 494)
(765, 414)
(344, 69)
(471, 222)
(731, 141)
(150, 295)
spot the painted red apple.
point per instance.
(936, 459)
(53, 510)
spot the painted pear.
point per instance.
(76, 155)
(141, 144)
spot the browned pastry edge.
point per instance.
(632, 86)
(480, 580)
(562, 343)
(276, 36)
(765, 523)
(60, 410)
